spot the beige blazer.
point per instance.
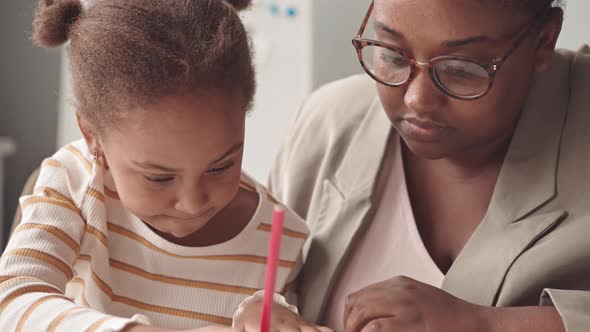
(532, 247)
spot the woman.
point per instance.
(445, 189)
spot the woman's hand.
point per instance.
(281, 320)
(405, 305)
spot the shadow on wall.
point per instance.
(29, 84)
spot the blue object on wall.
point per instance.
(291, 12)
(273, 9)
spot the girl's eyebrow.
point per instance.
(235, 148)
(148, 165)
(152, 166)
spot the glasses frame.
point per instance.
(491, 67)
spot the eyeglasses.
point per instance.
(458, 77)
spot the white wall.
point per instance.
(576, 27)
(67, 127)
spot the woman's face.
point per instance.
(432, 124)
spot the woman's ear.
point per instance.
(547, 39)
(90, 135)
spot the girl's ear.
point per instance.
(90, 135)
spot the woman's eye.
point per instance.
(459, 72)
(395, 60)
(158, 179)
(221, 169)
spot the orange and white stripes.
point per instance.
(80, 261)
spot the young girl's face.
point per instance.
(177, 163)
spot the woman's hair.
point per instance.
(127, 53)
(534, 6)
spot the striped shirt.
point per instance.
(80, 261)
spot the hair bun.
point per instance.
(239, 4)
(52, 21)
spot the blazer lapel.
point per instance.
(526, 183)
(345, 207)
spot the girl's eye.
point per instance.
(159, 179)
(221, 169)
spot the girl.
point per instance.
(149, 219)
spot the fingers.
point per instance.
(288, 325)
(308, 328)
(400, 307)
(358, 324)
(315, 328)
(392, 298)
(286, 329)
(379, 294)
(216, 328)
(324, 329)
(390, 324)
(296, 328)
(368, 305)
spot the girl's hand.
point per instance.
(405, 305)
(212, 328)
(281, 320)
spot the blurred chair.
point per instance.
(27, 190)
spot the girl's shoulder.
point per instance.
(75, 157)
(67, 174)
(57, 201)
(294, 223)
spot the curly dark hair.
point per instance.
(531, 5)
(126, 53)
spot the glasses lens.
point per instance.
(462, 78)
(386, 65)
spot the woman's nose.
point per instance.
(422, 95)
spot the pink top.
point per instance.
(400, 250)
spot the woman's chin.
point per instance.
(427, 150)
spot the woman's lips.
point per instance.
(423, 131)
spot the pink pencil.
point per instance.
(274, 248)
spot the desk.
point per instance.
(7, 148)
